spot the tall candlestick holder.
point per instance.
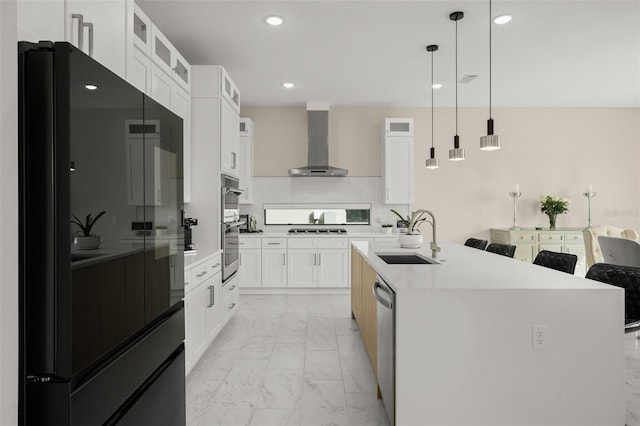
(514, 195)
(589, 196)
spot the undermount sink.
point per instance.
(405, 259)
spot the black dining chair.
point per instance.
(627, 277)
(476, 243)
(564, 262)
(502, 249)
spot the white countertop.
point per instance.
(285, 234)
(467, 268)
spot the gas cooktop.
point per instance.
(317, 231)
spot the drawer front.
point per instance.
(522, 237)
(206, 269)
(276, 243)
(231, 304)
(501, 237)
(551, 236)
(250, 243)
(228, 289)
(574, 237)
(333, 243)
(302, 243)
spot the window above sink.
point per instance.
(314, 214)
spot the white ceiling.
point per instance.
(553, 53)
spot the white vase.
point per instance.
(387, 230)
(88, 243)
(411, 240)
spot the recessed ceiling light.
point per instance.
(274, 20)
(502, 19)
(288, 85)
(90, 87)
(436, 85)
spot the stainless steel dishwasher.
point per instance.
(386, 346)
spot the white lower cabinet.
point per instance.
(206, 304)
(250, 271)
(274, 268)
(318, 262)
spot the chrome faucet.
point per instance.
(434, 245)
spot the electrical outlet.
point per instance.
(540, 337)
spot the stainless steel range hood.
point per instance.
(318, 153)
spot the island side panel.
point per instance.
(466, 357)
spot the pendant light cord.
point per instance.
(431, 99)
(456, 77)
(490, 58)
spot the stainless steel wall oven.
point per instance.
(230, 226)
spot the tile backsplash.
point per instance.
(320, 191)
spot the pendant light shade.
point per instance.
(490, 142)
(432, 161)
(457, 153)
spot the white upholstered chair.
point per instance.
(591, 245)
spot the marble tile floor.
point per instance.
(299, 360)
(286, 360)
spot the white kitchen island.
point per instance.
(464, 341)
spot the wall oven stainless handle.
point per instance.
(235, 224)
(384, 302)
(236, 191)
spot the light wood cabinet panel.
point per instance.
(356, 285)
(369, 318)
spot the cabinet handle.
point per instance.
(90, 26)
(216, 265)
(202, 274)
(314, 260)
(283, 259)
(233, 160)
(319, 259)
(273, 244)
(231, 306)
(232, 287)
(212, 296)
(80, 19)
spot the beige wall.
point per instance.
(546, 151)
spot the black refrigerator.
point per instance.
(101, 329)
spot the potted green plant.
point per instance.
(552, 206)
(387, 228)
(413, 237)
(84, 239)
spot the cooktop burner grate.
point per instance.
(317, 231)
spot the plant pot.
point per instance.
(88, 243)
(411, 240)
(387, 230)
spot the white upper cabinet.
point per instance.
(246, 160)
(229, 140)
(141, 34)
(230, 91)
(98, 28)
(397, 161)
(167, 57)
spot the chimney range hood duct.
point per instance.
(318, 149)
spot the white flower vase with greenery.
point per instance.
(84, 239)
(413, 237)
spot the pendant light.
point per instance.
(457, 153)
(432, 161)
(490, 142)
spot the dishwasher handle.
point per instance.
(384, 302)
